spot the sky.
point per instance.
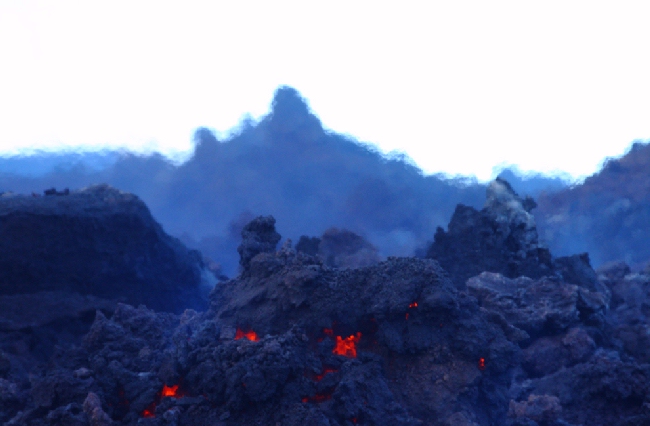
(461, 87)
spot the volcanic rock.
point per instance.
(540, 307)
(97, 241)
(502, 237)
(293, 341)
(258, 236)
(630, 309)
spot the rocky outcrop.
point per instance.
(502, 237)
(97, 241)
(258, 236)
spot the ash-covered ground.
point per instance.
(489, 329)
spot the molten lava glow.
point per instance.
(327, 370)
(413, 305)
(347, 347)
(170, 391)
(481, 364)
(250, 335)
(149, 411)
(407, 315)
(166, 392)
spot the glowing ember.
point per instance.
(166, 392)
(481, 364)
(413, 305)
(170, 391)
(328, 331)
(327, 370)
(347, 347)
(407, 315)
(149, 411)
(250, 335)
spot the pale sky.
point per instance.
(459, 86)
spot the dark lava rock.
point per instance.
(629, 319)
(258, 236)
(502, 237)
(605, 390)
(543, 307)
(432, 351)
(97, 241)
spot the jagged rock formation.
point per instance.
(97, 241)
(259, 236)
(502, 237)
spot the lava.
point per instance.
(413, 305)
(347, 347)
(481, 364)
(166, 392)
(170, 391)
(250, 335)
(149, 412)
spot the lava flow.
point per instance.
(250, 335)
(166, 392)
(348, 346)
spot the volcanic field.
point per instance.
(107, 320)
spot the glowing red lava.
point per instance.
(250, 335)
(171, 391)
(166, 392)
(413, 305)
(481, 364)
(347, 347)
(149, 412)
